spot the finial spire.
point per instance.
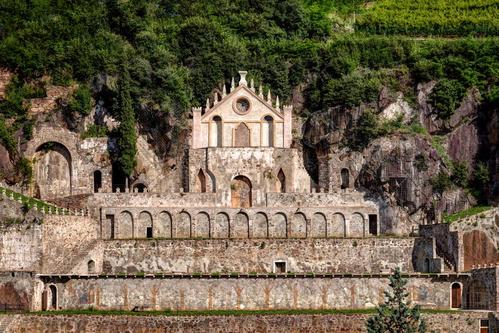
(269, 97)
(224, 91)
(260, 91)
(215, 98)
(232, 85)
(207, 104)
(242, 81)
(252, 85)
(277, 103)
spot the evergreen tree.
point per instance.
(396, 315)
(127, 137)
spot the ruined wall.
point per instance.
(17, 290)
(346, 323)
(189, 256)
(244, 293)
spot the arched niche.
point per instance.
(239, 227)
(139, 187)
(281, 182)
(456, 295)
(163, 226)
(182, 227)
(337, 226)
(200, 185)
(356, 226)
(220, 227)
(345, 178)
(277, 226)
(268, 131)
(144, 226)
(240, 189)
(124, 226)
(216, 139)
(478, 296)
(260, 226)
(91, 267)
(298, 227)
(53, 170)
(318, 226)
(201, 226)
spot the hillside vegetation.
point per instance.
(328, 53)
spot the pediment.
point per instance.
(256, 102)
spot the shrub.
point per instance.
(81, 101)
(441, 182)
(366, 130)
(446, 97)
(460, 174)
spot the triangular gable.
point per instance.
(227, 98)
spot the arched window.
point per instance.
(242, 136)
(345, 178)
(200, 182)
(456, 295)
(268, 131)
(91, 267)
(217, 131)
(477, 296)
(53, 297)
(97, 180)
(281, 182)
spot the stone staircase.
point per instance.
(67, 266)
(448, 266)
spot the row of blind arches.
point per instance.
(241, 225)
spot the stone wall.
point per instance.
(332, 292)
(20, 247)
(66, 241)
(374, 255)
(17, 290)
(467, 322)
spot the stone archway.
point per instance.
(53, 170)
(240, 190)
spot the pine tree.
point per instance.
(127, 137)
(396, 315)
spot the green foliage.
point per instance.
(23, 166)
(481, 175)
(431, 17)
(6, 137)
(396, 315)
(446, 97)
(441, 182)
(81, 101)
(365, 130)
(465, 213)
(95, 131)
(437, 144)
(460, 174)
(127, 136)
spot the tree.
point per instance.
(396, 315)
(127, 137)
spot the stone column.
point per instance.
(287, 127)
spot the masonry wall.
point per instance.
(243, 293)
(345, 323)
(373, 255)
(20, 247)
(17, 290)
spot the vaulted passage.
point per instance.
(240, 189)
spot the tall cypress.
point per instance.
(396, 315)
(127, 136)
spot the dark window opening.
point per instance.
(280, 266)
(149, 232)
(97, 180)
(456, 296)
(373, 224)
(426, 265)
(345, 178)
(282, 181)
(53, 298)
(270, 131)
(218, 134)
(91, 267)
(141, 188)
(118, 178)
(110, 218)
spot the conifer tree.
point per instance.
(396, 315)
(127, 137)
